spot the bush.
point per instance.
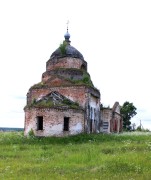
(31, 133)
(62, 47)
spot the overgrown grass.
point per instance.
(86, 80)
(101, 156)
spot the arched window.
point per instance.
(83, 67)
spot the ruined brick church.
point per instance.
(66, 102)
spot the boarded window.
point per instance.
(105, 126)
(39, 122)
(66, 124)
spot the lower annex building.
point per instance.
(66, 102)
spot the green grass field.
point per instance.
(123, 156)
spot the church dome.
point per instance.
(69, 50)
(67, 35)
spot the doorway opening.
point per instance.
(39, 122)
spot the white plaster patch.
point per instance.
(117, 109)
(77, 128)
(56, 129)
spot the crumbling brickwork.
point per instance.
(111, 118)
(65, 101)
(53, 121)
(65, 62)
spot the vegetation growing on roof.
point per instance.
(41, 103)
(38, 85)
(62, 47)
(44, 103)
(86, 80)
(51, 103)
(71, 104)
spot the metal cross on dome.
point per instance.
(67, 25)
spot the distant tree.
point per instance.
(128, 110)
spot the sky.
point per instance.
(113, 36)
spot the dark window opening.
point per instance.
(91, 125)
(39, 122)
(91, 113)
(66, 124)
(115, 126)
(94, 113)
(83, 67)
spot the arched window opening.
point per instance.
(83, 67)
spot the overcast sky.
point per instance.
(114, 37)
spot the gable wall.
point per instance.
(75, 93)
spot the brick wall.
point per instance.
(53, 121)
(66, 62)
(75, 93)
